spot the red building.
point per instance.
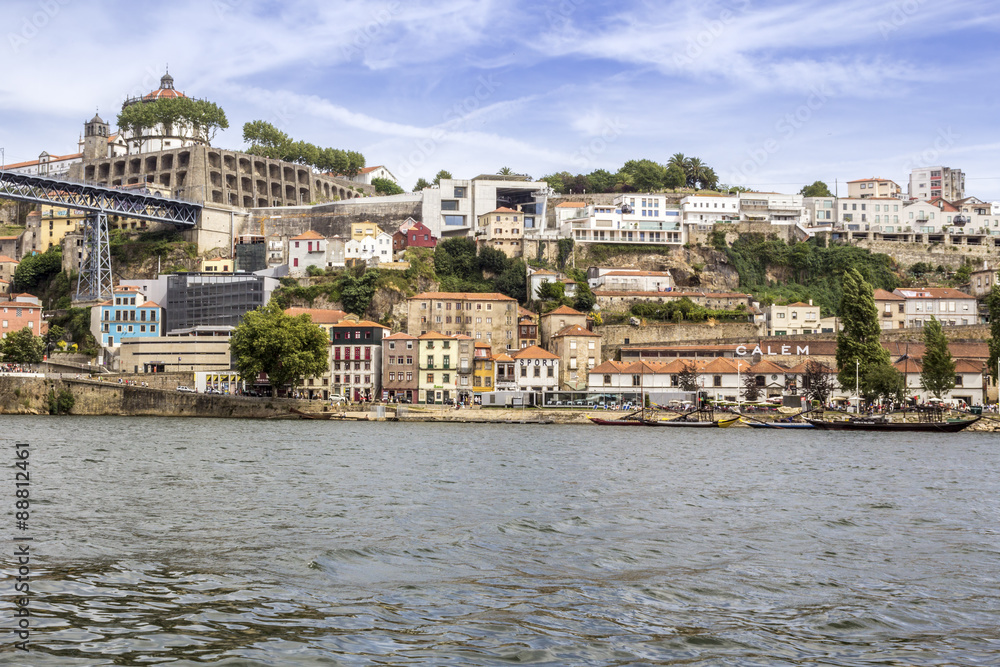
(20, 311)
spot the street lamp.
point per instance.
(739, 386)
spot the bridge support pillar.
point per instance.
(94, 280)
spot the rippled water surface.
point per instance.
(294, 542)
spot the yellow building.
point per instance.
(503, 230)
(482, 374)
(359, 230)
(221, 265)
(445, 365)
(55, 223)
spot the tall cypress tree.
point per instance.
(937, 375)
(993, 304)
(859, 338)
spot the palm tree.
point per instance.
(709, 179)
(695, 170)
(505, 171)
(679, 160)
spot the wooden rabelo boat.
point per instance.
(928, 421)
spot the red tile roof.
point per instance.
(400, 336)
(318, 315)
(575, 330)
(563, 310)
(534, 352)
(310, 235)
(882, 295)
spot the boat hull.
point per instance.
(721, 423)
(616, 422)
(879, 425)
(779, 425)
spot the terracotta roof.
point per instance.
(575, 330)
(400, 336)
(52, 158)
(637, 273)
(150, 304)
(433, 335)
(609, 366)
(968, 366)
(348, 324)
(908, 365)
(802, 368)
(503, 357)
(882, 295)
(126, 288)
(463, 296)
(572, 204)
(544, 272)
(563, 310)
(799, 304)
(461, 337)
(310, 235)
(318, 315)
(368, 170)
(503, 209)
(865, 180)
(4, 259)
(7, 238)
(672, 294)
(534, 352)
(719, 365)
(481, 343)
(765, 367)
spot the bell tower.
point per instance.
(95, 138)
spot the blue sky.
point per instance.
(772, 95)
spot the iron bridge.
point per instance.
(95, 280)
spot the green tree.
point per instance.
(675, 177)
(993, 307)
(505, 171)
(514, 281)
(882, 382)
(441, 175)
(551, 291)
(492, 261)
(202, 117)
(709, 179)
(751, 392)
(678, 160)
(23, 347)
(816, 382)
(859, 339)
(585, 298)
(937, 374)
(643, 175)
(33, 270)
(600, 180)
(287, 348)
(694, 170)
(687, 379)
(357, 292)
(421, 184)
(384, 186)
(817, 189)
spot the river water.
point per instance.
(234, 542)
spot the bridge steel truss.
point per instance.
(98, 202)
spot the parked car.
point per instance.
(337, 398)
(187, 390)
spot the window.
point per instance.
(538, 371)
(459, 192)
(716, 380)
(430, 378)
(449, 205)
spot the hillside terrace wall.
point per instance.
(331, 219)
(614, 336)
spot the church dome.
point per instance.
(166, 90)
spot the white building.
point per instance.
(820, 211)
(536, 369)
(378, 248)
(772, 207)
(305, 250)
(638, 219)
(793, 319)
(929, 182)
(968, 382)
(948, 306)
(634, 280)
(858, 215)
(367, 174)
(867, 188)
(709, 209)
(541, 276)
(160, 138)
(453, 207)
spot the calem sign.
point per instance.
(786, 350)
